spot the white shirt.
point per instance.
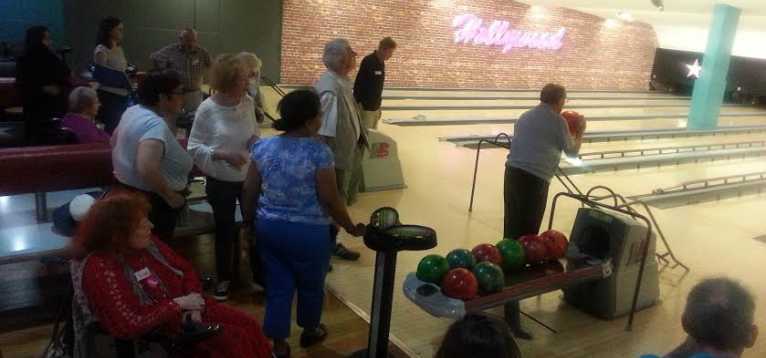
(228, 128)
(138, 124)
(113, 58)
(330, 103)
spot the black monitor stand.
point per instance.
(386, 236)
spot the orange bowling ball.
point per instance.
(575, 121)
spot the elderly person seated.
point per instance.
(719, 320)
(81, 119)
(146, 155)
(342, 128)
(133, 284)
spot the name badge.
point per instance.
(142, 274)
(378, 73)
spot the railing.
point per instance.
(671, 150)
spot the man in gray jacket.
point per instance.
(341, 127)
(539, 137)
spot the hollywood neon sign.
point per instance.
(471, 29)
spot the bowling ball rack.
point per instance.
(534, 281)
(520, 285)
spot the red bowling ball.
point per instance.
(487, 252)
(460, 283)
(555, 243)
(534, 249)
(575, 121)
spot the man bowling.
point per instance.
(539, 137)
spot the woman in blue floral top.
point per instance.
(291, 197)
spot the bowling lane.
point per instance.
(534, 94)
(533, 102)
(439, 176)
(485, 114)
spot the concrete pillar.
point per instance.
(710, 87)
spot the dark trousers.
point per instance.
(112, 107)
(162, 217)
(223, 196)
(525, 199)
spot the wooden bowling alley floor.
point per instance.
(713, 238)
(347, 331)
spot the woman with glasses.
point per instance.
(224, 129)
(146, 155)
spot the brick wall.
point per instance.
(594, 55)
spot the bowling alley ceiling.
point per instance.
(676, 12)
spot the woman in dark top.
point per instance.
(44, 81)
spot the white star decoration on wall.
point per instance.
(694, 69)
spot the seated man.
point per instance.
(718, 319)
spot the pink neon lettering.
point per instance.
(470, 29)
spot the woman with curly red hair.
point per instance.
(132, 284)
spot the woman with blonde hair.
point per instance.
(254, 65)
(224, 129)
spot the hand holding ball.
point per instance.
(575, 122)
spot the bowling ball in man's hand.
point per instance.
(460, 283)
(575, 122)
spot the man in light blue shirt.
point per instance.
(539, 137)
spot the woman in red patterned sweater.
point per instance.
(132, 284)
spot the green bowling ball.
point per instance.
(432, 268)
(512, 253)
(460, 258)
(490, 276)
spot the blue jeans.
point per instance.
(295, 257)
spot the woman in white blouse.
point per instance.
(224, 129)
(114, 86)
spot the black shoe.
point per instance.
(344, 253)
(285, 354)
(314, 336)
(520, 333)
(222, 291)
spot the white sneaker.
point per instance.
(256, 288)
